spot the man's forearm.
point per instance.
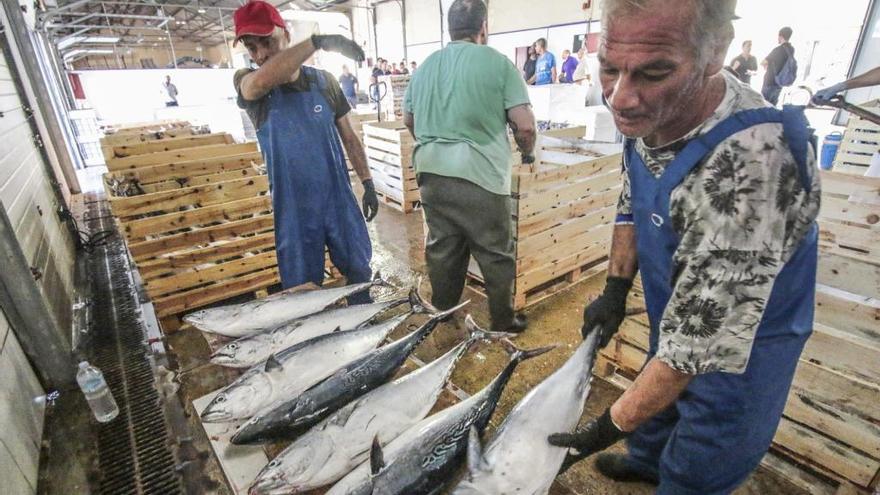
(870, 78)
(525, 140)
(354, 148)
(277, 70)
(655, 389)
(623, 261)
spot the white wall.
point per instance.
(517, 15)
(868, 58)
(389, 31)
(21, 418)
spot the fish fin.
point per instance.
(517, 354)
(444, 314)
(475, 461)
(379, 281)
(337, 329)
(418, 303)
(273, 364)
(377, 457)
(478, 333)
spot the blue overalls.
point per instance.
(311, 195)
(719, 429)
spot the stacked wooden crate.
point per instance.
(564, 209)
(831, 424)
(197, 221)
(860, 141)
(115, 137)
(392, 103)
(389, 147)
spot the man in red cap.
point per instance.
(301, 115)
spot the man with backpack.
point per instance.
(780, 66)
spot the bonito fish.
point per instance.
(342, 441)
(293, 370)
(254, 349)
(519, 459)
(422, 459)
(293, 417)
(239, 320)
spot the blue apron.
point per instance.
(311, 195)
(722, 425)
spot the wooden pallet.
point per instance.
(564, 208)
(860, 141)
(389, 148)
(168, 144)
(179, 155)
(831, 422)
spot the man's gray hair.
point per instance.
(711, 26)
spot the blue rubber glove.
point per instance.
(824, 96)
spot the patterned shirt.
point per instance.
(740, 214)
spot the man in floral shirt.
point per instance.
(718, 213)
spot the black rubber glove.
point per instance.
(339, 44)
(593, 437)
(370, 201)
(527, 159)
(607, 312)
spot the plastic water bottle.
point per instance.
(98, 394)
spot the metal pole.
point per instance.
(171, 44)
(225, 38)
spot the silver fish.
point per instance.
(519, 459)
(239, 320)
(293, 417)
(254, 349)
(293, 370)
(423, 458)
(342, 441)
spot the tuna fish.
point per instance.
(293, 370)
(295, 416)
(239, 320)
(254, 349)
(423, 458)
(519, 459)
(342, 441)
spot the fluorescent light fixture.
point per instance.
(101, 39)
(74, 53)
(201, 10)
(65, 43)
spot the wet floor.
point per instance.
(398, 254)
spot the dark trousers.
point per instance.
(771, 93)
(463, 220)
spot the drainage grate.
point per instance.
(134, 452)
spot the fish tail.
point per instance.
(418, 303)
(478, 333)
(520, 355)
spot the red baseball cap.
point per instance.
(257, 18)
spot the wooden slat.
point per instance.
(557, 268)
(181, 155)
(555, 198)
(856, 316)
(200, 180)
(857, 275)
(845, 184)
(122, 151)
(111, 140)
(847, 211)
(150, 269)
(818, 449)
(170, 222)
(188, 169)
(166, 285)
(526, 183)
(562, 233)
(390, 131)
(584, 241)
(197, 298)
(207, 195)
(548, 219)
(158, 247)
(851, 237)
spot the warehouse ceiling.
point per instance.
(78, 24)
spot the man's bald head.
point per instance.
(710, 26)
(466, 19)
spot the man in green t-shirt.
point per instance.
(458, 106)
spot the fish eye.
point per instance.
(233, 346)
(221, 398)
(274, 463)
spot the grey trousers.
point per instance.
(463, 220)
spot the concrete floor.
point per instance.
(398, 253)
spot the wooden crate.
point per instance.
(860, 141)
(179, 155)
(564, 209)
(389, 148)
(141, 148)
(831, 423)
(392, 103)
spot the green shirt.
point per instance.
(459, 98)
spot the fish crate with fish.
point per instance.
(829, 435)
(389, 147)
(563, 213)
(861, 140)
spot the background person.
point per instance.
(459, 118)
(349, 84)
(729, 272)
(774, 63)
(301, 114)
(569, 66)
(529, 66)
(745, 65)
(545, 66)
(170, 92)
